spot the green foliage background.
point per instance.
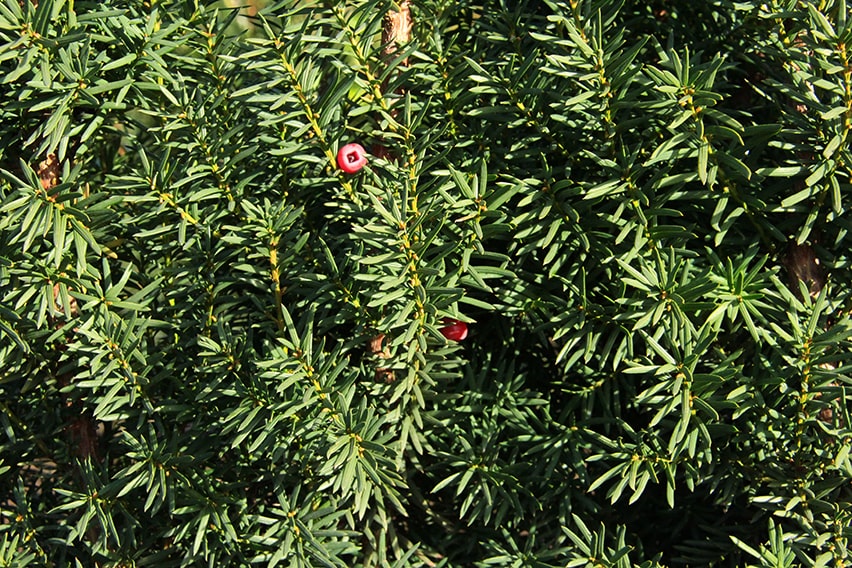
(639, 207)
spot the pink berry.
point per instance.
(352, 158)
(455, 330)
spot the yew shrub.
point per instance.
(587, 303)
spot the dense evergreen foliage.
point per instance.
(219, 349)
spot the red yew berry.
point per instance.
(455, 330)
(352, 158)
